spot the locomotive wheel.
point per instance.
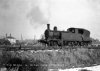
(70, 43)
(55, 43)
(78, 43)
(51, 43)
(59, 43)
(75, 43)
(85, 43)
(82, 44)
(65, 43)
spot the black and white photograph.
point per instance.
(49, 35)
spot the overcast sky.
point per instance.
(29, 17)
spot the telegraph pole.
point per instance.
(21, 37)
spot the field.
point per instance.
(45, 59)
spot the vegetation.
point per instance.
(53, 59)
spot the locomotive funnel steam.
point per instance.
(48, 26)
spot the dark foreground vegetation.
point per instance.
(19, 64)
(49, 59)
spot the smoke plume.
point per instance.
(36, 16)
(5, 4)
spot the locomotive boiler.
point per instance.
(73, 37)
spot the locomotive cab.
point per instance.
(84, 32)
(72, 30)
(76, 35)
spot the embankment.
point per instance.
(54, 59)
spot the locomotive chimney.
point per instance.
(48, 26)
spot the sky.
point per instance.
(29, 17)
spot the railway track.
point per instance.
(25, 48)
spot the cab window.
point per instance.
(72, 30)
(80, 31)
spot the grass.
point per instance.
(63, 58)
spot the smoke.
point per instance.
(4, 4)
(36, 15)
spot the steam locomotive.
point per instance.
(71, 37)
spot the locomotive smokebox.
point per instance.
(48, 26)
